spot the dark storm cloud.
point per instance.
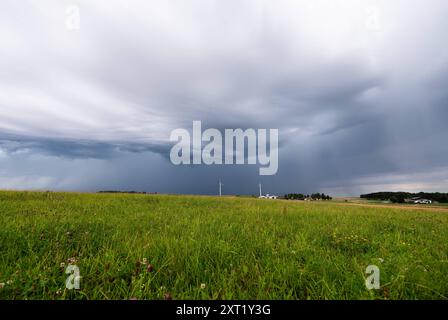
(76, 149)
(355, 94)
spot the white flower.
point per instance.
(145, 261)
(2, 285)
(9, 282)
(202, 286)
(62, 265)
(381, 260)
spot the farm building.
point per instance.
(418, 200)
(268, 196)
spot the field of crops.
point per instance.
(185, 247)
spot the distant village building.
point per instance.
(418, 200)
(268, 196)
(423, 201)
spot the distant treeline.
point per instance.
(401, 196)
(299, 196)
(132, 192)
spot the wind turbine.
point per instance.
(220, 188)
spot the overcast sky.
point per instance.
(358, 90)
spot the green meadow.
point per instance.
(190, 247)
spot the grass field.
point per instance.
(185, 247)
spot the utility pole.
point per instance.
(260, 189)
(220, 188)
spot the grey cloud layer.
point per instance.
(351, 100)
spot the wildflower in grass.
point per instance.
(9, 282)
(145, 261)
(72, 260)
(150, 268)
(62, 265)
(59, 291)
(202, 286)
(167, 296)
(381, 260)
(2, 285)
